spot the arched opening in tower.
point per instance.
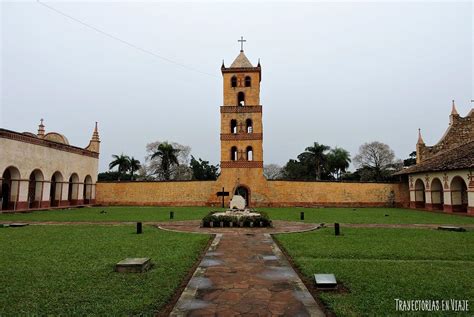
(248, 81)
(233, 153)
(249, 153)
(233, 126)
(249, 125)
(241, 99)
(244, 192)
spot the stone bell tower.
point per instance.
(241, 127)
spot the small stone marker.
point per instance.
(337, 230)
(18, 224)
(237, 202)
(133, 265)
(325, 281)
(139, 228)
(451, 228)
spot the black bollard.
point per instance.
(171, 214)
(336, 229)
(302, 215)
(139, 228)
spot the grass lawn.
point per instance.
(65, 270)
(381, 265)
(125, 213)
(366, 215)
(316, 215)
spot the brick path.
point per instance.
(244, 273)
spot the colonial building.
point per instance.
(443, 177)
(43, 170)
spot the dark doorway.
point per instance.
(31, 190)
(243, 191)
(6, 186)
(52, 192)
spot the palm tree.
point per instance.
(134, 165)
(318, 156)
(339, 160)
(122, 162)
(168, 156)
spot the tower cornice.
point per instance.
(241, 109)
(241, 136)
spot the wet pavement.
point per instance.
(244, 273)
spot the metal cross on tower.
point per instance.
(241, 43)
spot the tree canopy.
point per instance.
(202, 170)
(317, 162)
(376, 162)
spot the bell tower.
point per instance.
(241, 116)
(241, 135)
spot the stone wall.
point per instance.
(291, 193)
(262, 193)
(174, 193)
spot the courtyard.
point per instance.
(223, 159)
(62, 263)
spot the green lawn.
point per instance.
(112, 214)
(366, 215)
(65, 270)
(381, 265)
(316, 215)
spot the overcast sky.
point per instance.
(338, 73)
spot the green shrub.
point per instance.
(227, 219)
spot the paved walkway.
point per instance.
(244, 273)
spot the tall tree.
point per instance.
(122, 162)
(168, 157)
(272, 171)
(376, 160)
(134, 165)
(317, 154)
(202, 170)
(411, 160)
(338, 161)
(151, 168)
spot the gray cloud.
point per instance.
(341, 74)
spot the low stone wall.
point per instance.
(272, 193)
(187, 193)
(294, 193)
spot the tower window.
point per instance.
(233, 126)
(248, 81)
(233, 153)
(249, 125)
(249, 153)
(233, 81)
(241, 99)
